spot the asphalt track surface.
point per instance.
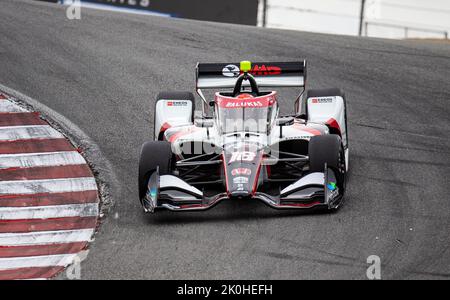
(103, 72)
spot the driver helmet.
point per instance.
(244, 96)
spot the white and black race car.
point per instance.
(240, 148)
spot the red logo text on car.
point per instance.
(241, 171)
(264, 70)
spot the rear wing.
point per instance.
(266, 74)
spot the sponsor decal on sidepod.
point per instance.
(322, 100)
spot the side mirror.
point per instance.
(285, 121)
(205, 123)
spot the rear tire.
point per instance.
(329, 92)
(324, 149)
(153, 154)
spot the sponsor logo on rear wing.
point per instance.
(267, 74)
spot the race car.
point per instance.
(239, 147)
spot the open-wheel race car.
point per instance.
(240, 148)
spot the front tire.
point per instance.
(325, 149)
(153, 154)
(328, 149)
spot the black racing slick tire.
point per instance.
(324, 93)
(153, 154)
(324, 149)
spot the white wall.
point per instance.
(342, 16)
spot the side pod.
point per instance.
(329, 107)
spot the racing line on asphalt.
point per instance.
(49, 203)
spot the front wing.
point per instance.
(320, 189)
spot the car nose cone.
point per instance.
(240, 194)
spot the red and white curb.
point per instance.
(49, 203)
